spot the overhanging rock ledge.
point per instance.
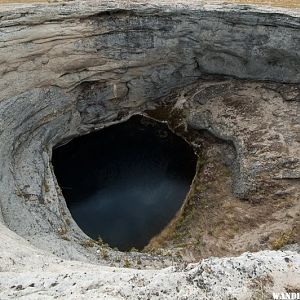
(70, 68)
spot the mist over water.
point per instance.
(126, 182)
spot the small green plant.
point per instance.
(284, 239)
(127, 263)
(87, 243)
(133, 249)
(104, 253)
(46, 186)
(62, 230)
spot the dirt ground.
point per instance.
(278, 3)
(213, 221)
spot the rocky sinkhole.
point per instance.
(225, 78)
(125, 183)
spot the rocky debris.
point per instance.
(239, 200)
(261, 124)
(292, 247)
(68, 69)
(29, 273)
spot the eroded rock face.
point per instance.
(31, 275)
(255, 139)
(69, 69)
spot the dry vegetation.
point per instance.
(212, 220)
(21, 1)
(278, 3)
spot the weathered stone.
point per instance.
(68, 69)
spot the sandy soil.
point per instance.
(20, 1)
(278, 3)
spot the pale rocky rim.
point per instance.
(162, 5)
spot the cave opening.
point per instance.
(126, 182)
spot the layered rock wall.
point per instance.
(68, 69)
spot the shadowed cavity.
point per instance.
(126, 182)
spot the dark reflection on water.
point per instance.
(126, 182)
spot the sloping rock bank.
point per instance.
(68, 69)
(26, 273)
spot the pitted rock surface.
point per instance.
(68, 69)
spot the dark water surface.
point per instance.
(126, 182)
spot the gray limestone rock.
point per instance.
(71, 68)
